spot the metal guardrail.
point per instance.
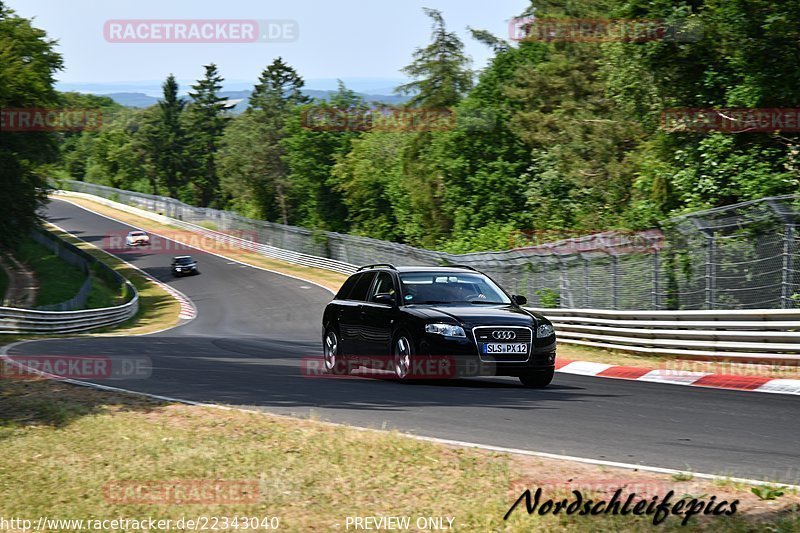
(266, 250)
(57, 322)
(769, 335)
(36, 321)
(765, 335)
(743, 256)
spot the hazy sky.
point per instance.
(337, 39)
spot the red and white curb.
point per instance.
(188, 310)
(681, 377)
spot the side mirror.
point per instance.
(519, 300)
(384, 298)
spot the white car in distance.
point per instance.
(137, 238)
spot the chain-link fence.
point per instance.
(739, 257)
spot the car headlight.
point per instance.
(448, 330)
(544, 331)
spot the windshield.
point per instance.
(184, 261)
(450, 288)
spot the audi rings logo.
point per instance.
(504, 335)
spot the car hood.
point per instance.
(477, 314)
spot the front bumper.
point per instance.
(463, 354)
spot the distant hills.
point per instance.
(142, 100)
(146, 93)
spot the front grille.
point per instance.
(486, 334)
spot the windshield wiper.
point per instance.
(484, 302)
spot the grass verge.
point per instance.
(58, 280)
(66, 447)
(157, 308)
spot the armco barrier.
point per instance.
(743, 256)
(13, 320)
(767, 335)
(737, 334)
(266, 250)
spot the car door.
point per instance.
(350, 319)
(378, 321)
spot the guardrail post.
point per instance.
(711, 271)
(565, 291)
(656, 279)
(586, 285)
(787, 278)
(615, 281)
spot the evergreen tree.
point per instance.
(254, 154)
(441, 77)
(207, 117)
(440, 70)
(168, 140)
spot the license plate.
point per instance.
(515, 347)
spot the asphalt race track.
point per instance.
(254, 327)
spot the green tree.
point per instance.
(206, 118)
(119, 154)
(370, 180)
(75, 147)
(28, 63)
(441, 78)
(745, 55)
(254, 157)
(484, 154)
(440, 71)
(167, 140)
(311, 156)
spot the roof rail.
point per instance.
(387, 265)
(462, 266)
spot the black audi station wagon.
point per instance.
(405, 319)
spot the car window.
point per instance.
(361, 288)
(347, 288)
(383, 285)
(445, 287)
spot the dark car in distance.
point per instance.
(184, 265)
(410, 316)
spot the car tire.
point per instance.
(332, 359)
(403, 357)
(537, 379)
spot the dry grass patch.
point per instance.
(64, 445)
